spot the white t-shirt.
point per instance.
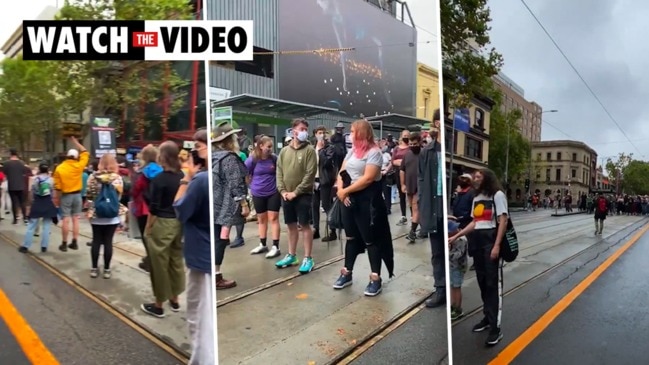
(387, 159)
(483, 210)
(356, 166)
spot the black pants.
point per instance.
(357, 220)
(438, 259)
(324, 196)
(102, 235)
(219, 245)
(141, 225)
(402, 198)
(486, 270)
(18, 201)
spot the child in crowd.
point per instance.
(457, 255)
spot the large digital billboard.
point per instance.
(377, 76)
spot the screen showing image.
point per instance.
(378, 76)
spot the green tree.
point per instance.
(615, 168)
(635, 177)
(27, 105)
(467, 70)
(119, 88)
(504, 126)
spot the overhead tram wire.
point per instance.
(579, 75)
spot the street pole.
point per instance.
(507, 160)
(449, 186)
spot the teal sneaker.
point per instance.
(288, 260)
(307, 265)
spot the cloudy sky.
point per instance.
(605, 42)
(12, 16)
(424, 14)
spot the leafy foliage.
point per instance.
(635, 177)
(27, 105)
(467, 70)
(515, 168)
(111, 88)
(612, 167)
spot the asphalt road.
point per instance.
(605, 325)
(74, 328)
(422, 339)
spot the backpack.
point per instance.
(601, 205)
(107, 202)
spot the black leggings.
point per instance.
(141, 225)
(387, 194)
(357, 221)
(102, 234)
(219, 245)
(487, 274)
(18, 201)
(402, 198)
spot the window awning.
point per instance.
(262, 105)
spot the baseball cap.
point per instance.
(73, 153)
(467, 176)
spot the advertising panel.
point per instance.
(375, 75)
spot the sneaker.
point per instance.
(63, 247)
(288, 260)
(152, 310)
(23, 249)
(37, 234)
(374, 288)
(274, 252)
(94, 273)
(43, 249)
(89, 244)
(403, 221)
(107, 274)
(481, 326)
(316, 235)
(494, 337)
(344, 280)
(238, 242)
(259, 249)
(456, 313)
(330, 237)
(307, 265)
(174, 306)
(411, 237)
(74, 245)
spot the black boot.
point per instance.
(437, 300)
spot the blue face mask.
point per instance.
(302, 136)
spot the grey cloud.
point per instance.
(595, 35)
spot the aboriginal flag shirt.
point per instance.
(485, 209)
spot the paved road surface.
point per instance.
(606, 324)
(74, 328)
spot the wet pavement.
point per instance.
(71, 326)
(282, 317)
(556, 254)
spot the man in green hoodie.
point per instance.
(296, 169)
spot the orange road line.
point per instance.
(525, 339)
(27, 338)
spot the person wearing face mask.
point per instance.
(262, 167)
(398, 153)
(296, 170)
(408, 176)
(431, 209)
(327, 154)
(463, 203)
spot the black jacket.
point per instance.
(462, 207)
(431, 205)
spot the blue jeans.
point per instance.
(45, 232)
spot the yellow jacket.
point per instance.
(68, 175)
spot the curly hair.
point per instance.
(490, 184)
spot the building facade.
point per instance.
(468, 152)
(530, 123)
(427, 91)
(561, 167)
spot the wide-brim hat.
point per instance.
(222, 131)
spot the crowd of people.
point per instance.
(315, 172)
(165, 189)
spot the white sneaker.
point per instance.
(259, 249)
(274, 252)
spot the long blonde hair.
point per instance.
(108, 163)
(229, 144)
(256, 152)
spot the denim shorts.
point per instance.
(457, 277)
